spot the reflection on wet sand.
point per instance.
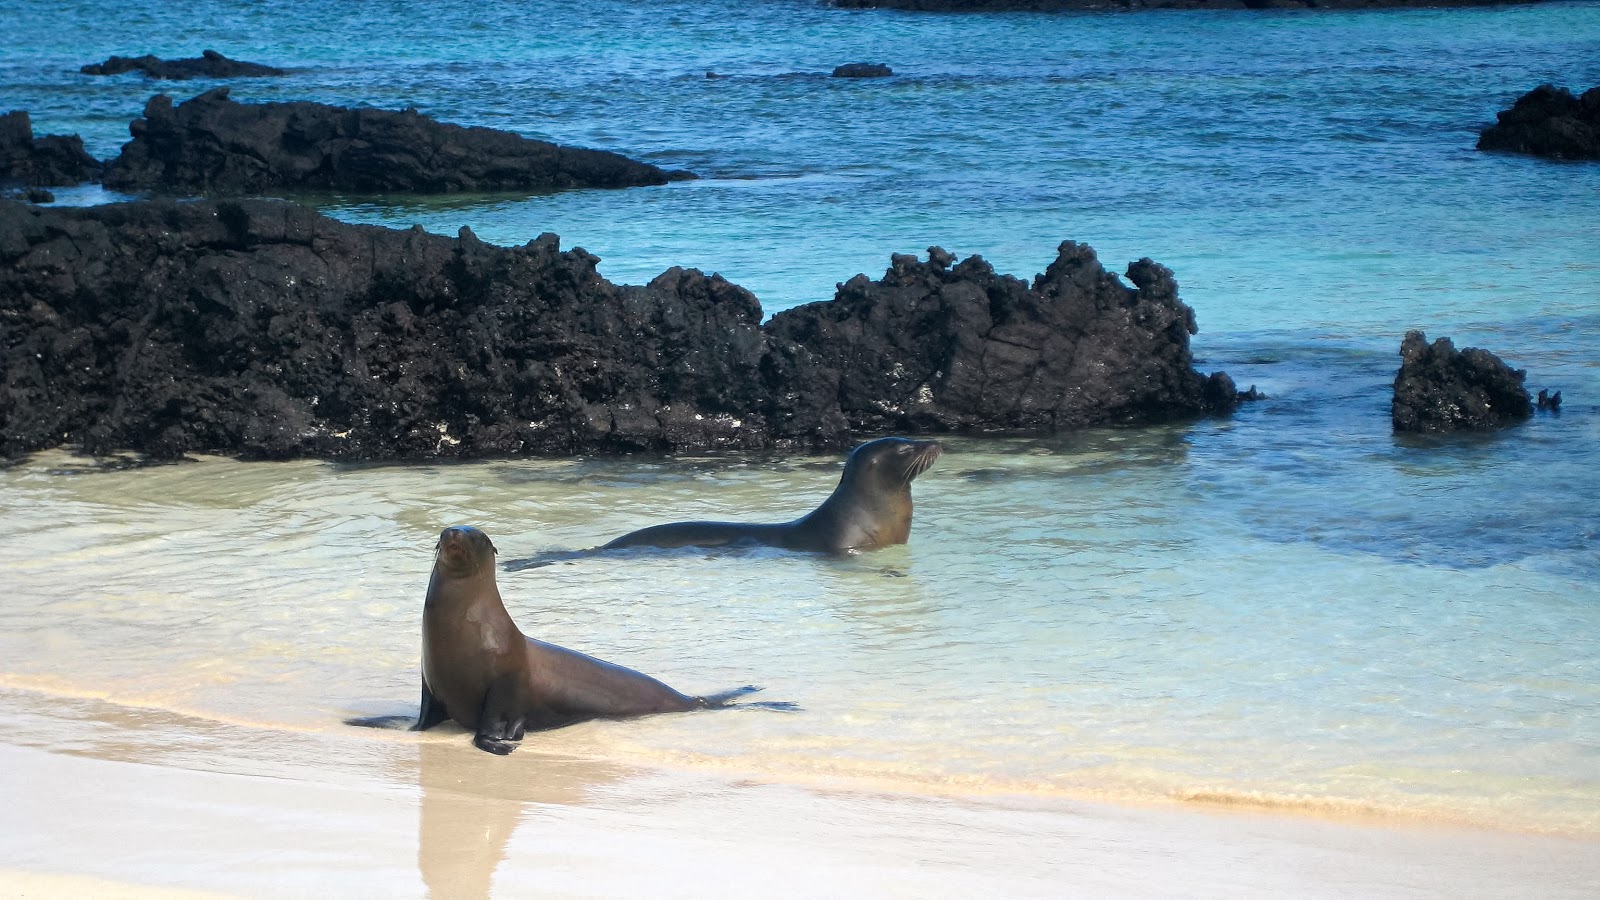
(471, 803)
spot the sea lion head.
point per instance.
(463, 551)
(890, 463)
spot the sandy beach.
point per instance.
(155, 804)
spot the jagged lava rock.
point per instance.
(1440, 388)
(939, 347)
(211, 144)
(209, 64)
(1548, 121)
(266, 330)
(49, 160)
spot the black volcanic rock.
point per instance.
(941, 347)
(264, 329)
(1548, 121)
(862, 70)
(212, 144)
(1439, 388)
(50, 160)
(210, 64)
(1121, 5)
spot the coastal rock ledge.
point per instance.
(264, 329)
(1548, 121)
(50, 159)
(211, 144)
(1440, 388)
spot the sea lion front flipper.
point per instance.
(501, 724)
(431, 712)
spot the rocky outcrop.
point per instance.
(1440, 388)
(862, 70)
(945, 346)
(1548, 121)
(210, 64)
(1116, 5)
(212, 144)
(264, 329)
(50, 160)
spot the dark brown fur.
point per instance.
(870, 509)
(480, 670)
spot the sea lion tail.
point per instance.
(725, 698)
(728, 699)
(545, 558)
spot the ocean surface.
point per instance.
(1292, 609)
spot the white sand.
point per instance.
(458, 826)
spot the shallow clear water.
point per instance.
(1290, 607)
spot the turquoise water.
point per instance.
(1291, 607)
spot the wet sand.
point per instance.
(156, 803)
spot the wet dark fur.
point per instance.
(480, 670)
(871, 508)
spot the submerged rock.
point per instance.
(212, 144)
(1548, 121)
(210, 64)
(862, 70)
(264, 329)
(945, 346)
(49, 160)
(1440, 388)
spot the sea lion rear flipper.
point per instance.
(728, 699)
(431, 712)
(725, 698)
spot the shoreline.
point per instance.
(143, 734)
(187, 804)
(578, 828)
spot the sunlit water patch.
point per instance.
(1076, 617)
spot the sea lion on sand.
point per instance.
(871, 508)
(479, 669)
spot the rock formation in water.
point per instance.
(862, 70)
(1548, 121)
(264, 329)
(1440, 388)
(937, 347)
(1118, 5)
(210, 64)
(49, 160)
(212, 144)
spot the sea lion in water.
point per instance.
(479, 669)
(871, 508)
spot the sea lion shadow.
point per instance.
(739, 549)
(730, 699)
(544, 558)
(786, 706)
(472, 804)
